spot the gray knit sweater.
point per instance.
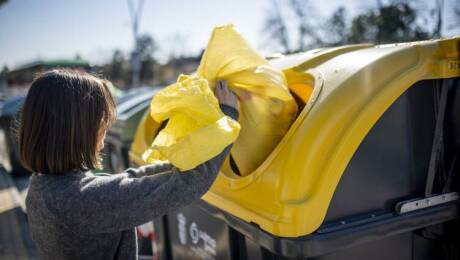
(78, 215)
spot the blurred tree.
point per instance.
(117, 70)
(337, 28)
(393, 22)
(304, 12)
(275, 27)
(3, 78)
(303, 15)
(386, 22)
(4, 70)
(360, 32)
(147, 70)
(117, 67)
(78, 56)
(437, 15)
(2, 2)
(147, 48)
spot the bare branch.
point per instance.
(275, 26)
(304, 13)
(439, 7)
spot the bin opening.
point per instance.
(301, 86)
(153, 128)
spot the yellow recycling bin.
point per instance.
(288, 195)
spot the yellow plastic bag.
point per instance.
(266, 107)
(197, 130)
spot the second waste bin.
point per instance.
(120, 135)
(130, 110)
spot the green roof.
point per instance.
(73, 63)
(54, 63)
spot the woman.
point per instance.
(74, 214)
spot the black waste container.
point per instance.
(379, 209)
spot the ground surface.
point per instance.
(15, 240)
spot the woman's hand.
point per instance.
(225, 95)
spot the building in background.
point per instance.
(169, 72)
(19, 79)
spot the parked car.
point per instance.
(9, 157)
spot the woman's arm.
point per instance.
(114, 203)
(120, 202)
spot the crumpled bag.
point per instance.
(267, 109)
(197, 129)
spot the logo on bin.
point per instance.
(182, 229)
(209, 244)
(196, 234)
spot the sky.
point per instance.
(50, 29)
(31, 29)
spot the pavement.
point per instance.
(15, 239)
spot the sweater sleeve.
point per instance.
(120, 202)
(147, 170)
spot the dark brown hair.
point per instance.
(63, 120)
